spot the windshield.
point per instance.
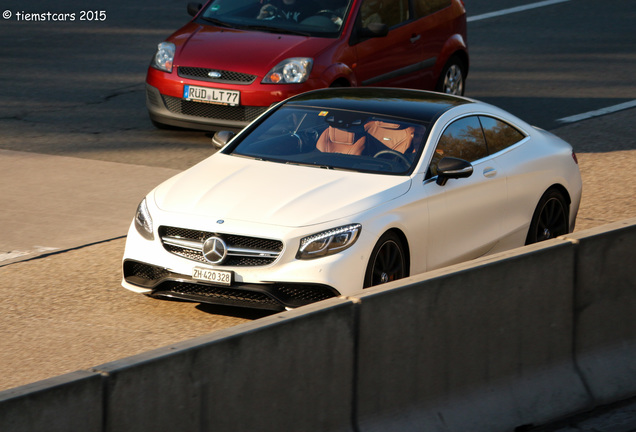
(334, 139)
(304, 17)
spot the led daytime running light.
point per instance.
(143, 221)
(328, 242)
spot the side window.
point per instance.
(499, 135)
(389, 12)
(463, 139)
(427, 7)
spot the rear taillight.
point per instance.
(576, 160)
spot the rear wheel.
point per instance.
(550, 219)
(452, 80)
(387, 262)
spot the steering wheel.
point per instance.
(332, 15)
(270, 12)
(397, 155)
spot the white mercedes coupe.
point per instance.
(336, 190)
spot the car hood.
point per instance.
(252, 52)
(234, 188)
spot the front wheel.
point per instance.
(452, 80)
(387, 262)
(550, 218)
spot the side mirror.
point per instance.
(452, 168)
(373, 30)
(220, 138)
(194, 8)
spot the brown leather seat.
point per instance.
(392, 135)
(334, 140)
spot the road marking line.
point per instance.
(598, 113)
(514, 10)
(5, 256)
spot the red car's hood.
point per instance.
(250, 52)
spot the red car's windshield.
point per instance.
(305, 17)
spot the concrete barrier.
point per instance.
(288, 372)
(482, 346)
(523, 337)
(70, 402)
(605, 310)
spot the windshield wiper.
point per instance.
(217, 22)
(270, 29)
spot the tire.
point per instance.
(550, 218)
(387, 262)
(452, 80)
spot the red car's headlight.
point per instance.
(164, 57)
(291, 71)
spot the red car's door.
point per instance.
(435, 22)
(392, 60)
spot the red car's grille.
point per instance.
(219, 76)
(221, 112)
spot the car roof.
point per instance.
(418, 105)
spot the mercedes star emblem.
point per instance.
(214, 250)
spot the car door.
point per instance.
(433, 28)
(505, 144)
(394, 59)
(465, 214)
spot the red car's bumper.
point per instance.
(166, 105)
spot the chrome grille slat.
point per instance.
(241, 250)
(188, 244)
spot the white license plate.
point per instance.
(211, 95)
(212, 276)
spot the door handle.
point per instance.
(415, 38)
(489, 172)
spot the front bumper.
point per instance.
(166, 105)
(159, 282)
(182, 113)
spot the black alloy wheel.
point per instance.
(550, 219)
(387, 262)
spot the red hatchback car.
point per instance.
(236, 58)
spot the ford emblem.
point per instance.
(214, 74)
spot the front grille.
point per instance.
(145, 275)
(296, 293)
(212, 111)
(227, 77)
(219, 294)
(250, 247)
(266, 296)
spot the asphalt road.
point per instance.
(77, 153)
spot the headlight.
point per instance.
(328, 242)
(164, 57)
(143, 221)
(291, 71)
